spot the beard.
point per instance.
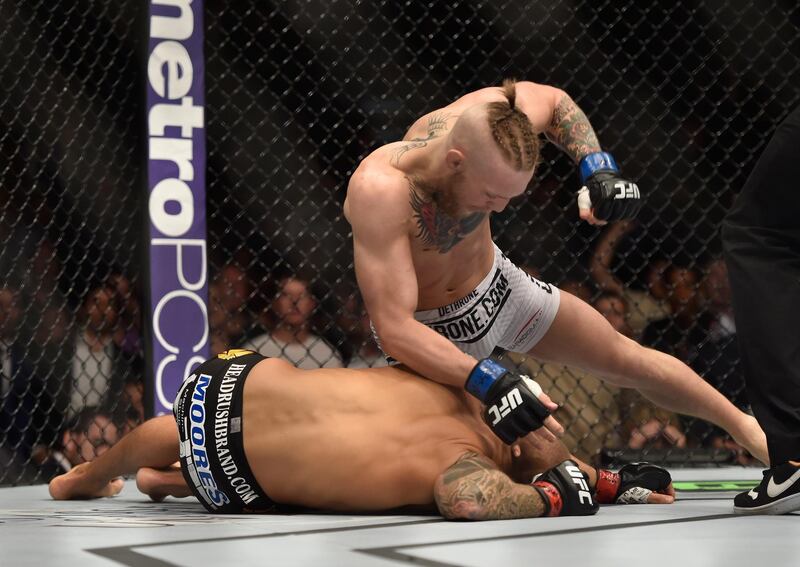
(444, 194)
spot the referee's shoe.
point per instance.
(778, 492)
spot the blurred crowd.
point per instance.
(72, 375)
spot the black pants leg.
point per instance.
(761, 238)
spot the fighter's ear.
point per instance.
(455, 159)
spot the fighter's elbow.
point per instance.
(541, 91)
(392, 336)
(458, 501)
(464, 510)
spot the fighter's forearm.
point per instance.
(474, 489)
(427, 352)
(570, 130)
(152, 444)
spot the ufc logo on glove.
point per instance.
(507, 403)
(626, 190)
(584, 495)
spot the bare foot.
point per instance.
(79, 484)
(160, 483)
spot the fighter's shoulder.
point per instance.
(376, 177)
(376, 185)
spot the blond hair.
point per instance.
(512, 130)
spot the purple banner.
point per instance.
(176, 195)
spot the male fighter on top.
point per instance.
(254, 434)
(442, 296)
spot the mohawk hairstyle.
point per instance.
(512, 130)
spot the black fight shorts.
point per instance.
(208, 411)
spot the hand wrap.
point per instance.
(633, 484)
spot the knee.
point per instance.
(628, 360)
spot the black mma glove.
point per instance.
(633, 484)
(565, 491)
(611, 196)
(512, 401)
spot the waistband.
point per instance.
(208, 412)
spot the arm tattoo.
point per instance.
(476, 486)
(570, 130)
(437, 228)
(437, 123)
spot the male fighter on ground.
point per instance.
(442, 296)
(256, 434)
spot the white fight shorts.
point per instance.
(509, 309)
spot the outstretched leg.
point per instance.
(152, 444)
(581, 337)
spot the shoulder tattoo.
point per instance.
(468, 464)
(476, 489)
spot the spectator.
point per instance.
(701, 333)
(132, 404)
(33, 368)
(128, 333)
(10, 315)
(292, 338)
(90, 433)
(98, 367)
(41, 384)
(644, 306)
(13, 385)
(355, 323)
(679, 334)
(228, 295)
(716, 289)
(718, 359)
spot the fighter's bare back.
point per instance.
(321, 437)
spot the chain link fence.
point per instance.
(684, 94)
(70, 186)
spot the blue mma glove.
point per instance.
(512, 401)
(611, 196)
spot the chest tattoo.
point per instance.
(435, 227)
(437, 123)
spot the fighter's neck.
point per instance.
(424, 160)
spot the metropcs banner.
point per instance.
(176, 195)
